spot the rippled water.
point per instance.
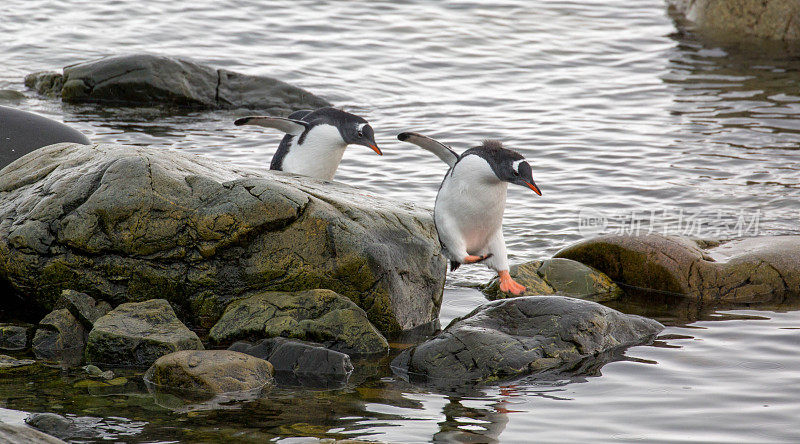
(624, 120)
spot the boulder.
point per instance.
(211, 372)
(147, 80)
(558, 276)
(513, 337)
(743, 19)
(14, 337)
(752, 270)
(124, 223)
(138, 333)
(314, 315)
(7, 362)
(300, 362)
(60, 337)
(62, 427)
(22, 132)
(83, 307)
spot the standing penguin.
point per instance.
(468, 213)
(315, 140)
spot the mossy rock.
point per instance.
(60, 337)
(314, 315)
(14, 337)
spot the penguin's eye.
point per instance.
(360, 133)
(516, 173)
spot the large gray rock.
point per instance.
(60, 337)
(132, 223)
(61, 427)
(22, 132)
(314, 315)
(83, 307)
(145, 79)
(753, 270)
(518, 336)
(743, 19)
(138, 333)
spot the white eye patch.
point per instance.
(516, 163)
(360, 126)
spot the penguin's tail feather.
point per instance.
(454, 265)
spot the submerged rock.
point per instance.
(14, 337)
(558, 276)
(514, 337)
(60, 337)
(138, 333)
(210, 372)
(22, 132)
(124, 223)
(7, 362)
(20, 433)
(145, 79)
(83, 307)
(314, 315)
(60, 426)
(753, 270)
(740, 19)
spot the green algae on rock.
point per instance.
(138, 333)
(513, 337)
(558, 276)
(314, 315)
(127, 223)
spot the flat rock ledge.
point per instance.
(558, 276)
(147, 80)
(752, 270)
(514, 337)
(740, 19)
(126, 223)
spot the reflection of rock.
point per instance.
(132, 223)
(314, 315)
(761, 269)
(210, 372)
(517, 336)
(144, 79)
(22, 132)
(14, 337)
(138, 333)
(60, 337)
(772, 19)
(464, 424)
(7, 362)
(558, 276)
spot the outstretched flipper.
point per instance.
(288, 126)
(298, 115)
(441, 150)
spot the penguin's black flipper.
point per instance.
(288, 126)
(454, 265)
(298, 115)
(441, 150)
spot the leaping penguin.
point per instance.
(468, 213)
(315, 140)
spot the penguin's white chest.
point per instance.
(470, 204)
(319, 154)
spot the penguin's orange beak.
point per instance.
(533, 187)
(376, 149)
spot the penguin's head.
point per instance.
(523, 175)
(358, 131)
(508, 165)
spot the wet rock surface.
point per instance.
(60, 337)
(147, 80)
(130, 223)
(22, 132)
(743, 19)
(518, 336)
(314, 315)
(83, 307)
(558, 276)
(752, 270)
(138, 333)
(210, 371)
(16, 433)
(60, 426)
(14, 337)
(300, 362)
(7, 362)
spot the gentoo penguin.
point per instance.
(468, 213)
(315, 140)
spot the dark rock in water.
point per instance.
(10, 95)
(138, 333)
(210, 372)
(743, 19)
(60, 426)
(300, 362)
(558, 276)
(7, 362)
(22, 132)
(83, 307)
(22, 434)
(95, 372)
(314, 315)
(124, 223)
(14, 337)
(518, 336)
(144, 79)
(752, 270)
(60, 337)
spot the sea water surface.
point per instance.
(629, 125)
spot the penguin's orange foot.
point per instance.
(471, 259)
(508, 285)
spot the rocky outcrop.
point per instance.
(752, 270)
(60, 337)
(147, 80)
(22, 132)
(14, 337)
(210, 372)
(558, 276)
(518, 336)
(739, 19)
(138, 333)
(314, 315)
(132, 223)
